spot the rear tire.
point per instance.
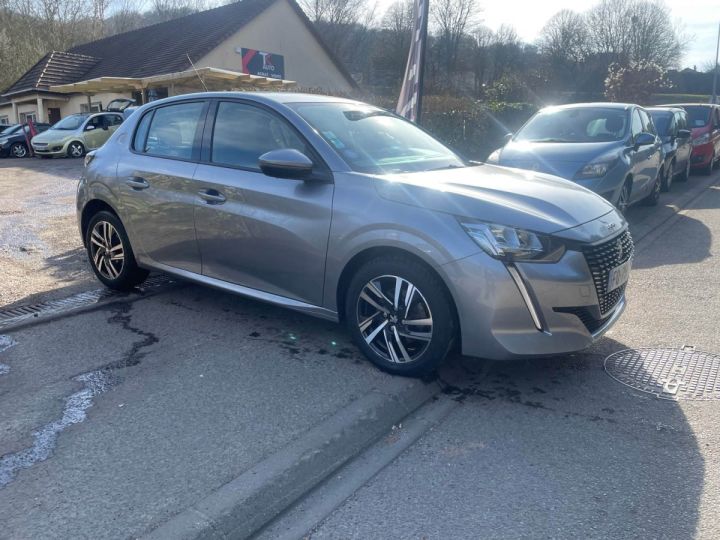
(110, 254)
(384, 296)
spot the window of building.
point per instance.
(28, 117)
(243, 133)
(4, 120)
(170, 131)
(95, 106)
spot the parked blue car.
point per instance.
(671, 124)
(610, 148)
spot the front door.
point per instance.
(158, 193)
(254, 230)
(93, 133)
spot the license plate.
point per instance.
(618, 276)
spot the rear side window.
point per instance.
(243, 133)
(113, 119)
(169, 131)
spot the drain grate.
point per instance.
(21, 314)
(668, 373)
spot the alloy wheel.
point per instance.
(394, 319)
(19, 150)
(106, 250)
(622, 204)
(76, 150)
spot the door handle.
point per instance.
(137, 183)
(212, 196)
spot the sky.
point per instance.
(698, 18)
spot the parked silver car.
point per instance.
(344, 211)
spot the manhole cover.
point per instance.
(668, 373)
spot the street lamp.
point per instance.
(714, 97)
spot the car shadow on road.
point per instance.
(587, 455)
(688, 241)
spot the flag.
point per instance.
(410, 101)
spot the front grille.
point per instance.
(40, 144)
(586, 317)
(601, 259)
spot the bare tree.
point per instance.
(635, 31)
(452, 19)
(564, 37)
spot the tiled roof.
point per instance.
(55, 67)
(160, 48)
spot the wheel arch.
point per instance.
(369, 253)
(91, 208)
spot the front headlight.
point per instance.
(702, 139)
(511, 244)
(594, 170)
(494, 157)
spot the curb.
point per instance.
(244, 505)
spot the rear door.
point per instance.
(254, 230)
(638, 156)
(158, 193)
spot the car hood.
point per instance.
(560, 159)
(53, 136)
(533, 201)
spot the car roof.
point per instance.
(262, 97)
(659, 108)
(689, 105)
(594, 105)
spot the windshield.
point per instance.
(581, 125)
(71, 122)
(11, 131)
(661, 121)
(374, 141)
(698, 116)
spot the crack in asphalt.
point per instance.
(94, 382)
(5, 343)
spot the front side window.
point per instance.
(637, 126)
(648, 126)
(244, 132)
(170, 131)
(372, 140)
(575, 125)
(664, 122)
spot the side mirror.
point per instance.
(285, 163)
(644, 139)
(89, 127)
(683, 133)
(507, 137)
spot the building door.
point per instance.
(53, 115)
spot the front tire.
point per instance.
(685, 176)
(710, 166)
(75, 150)
(19, 150)
(654, 197)
(667, 177)
(400, 315)
(110, 254)
(623, 202)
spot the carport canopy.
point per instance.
(197, 79)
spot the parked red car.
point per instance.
(704, 120)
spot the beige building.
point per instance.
(252, 44)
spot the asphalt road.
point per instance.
(558, 449)
(115, 419)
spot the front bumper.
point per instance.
(50, 150)
(496, 316)
(701, 155)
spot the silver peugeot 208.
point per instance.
(347, 212)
